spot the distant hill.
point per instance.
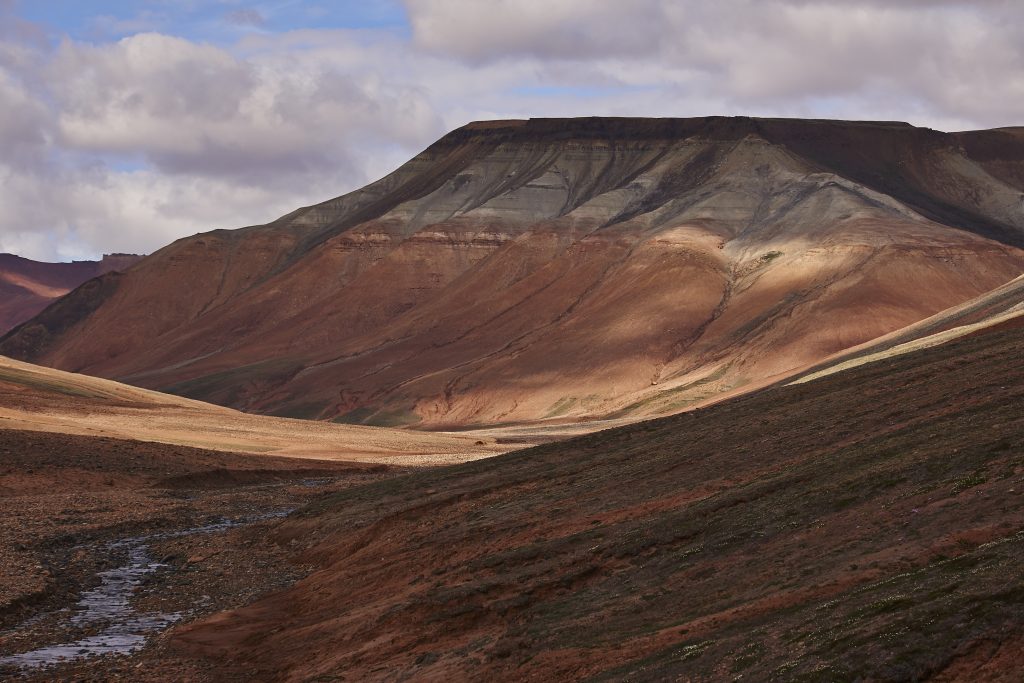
(563, 270)
(27, 287)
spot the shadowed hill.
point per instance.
(865, 526)
(563, 269)
(27, 287)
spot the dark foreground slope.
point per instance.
(563, 269)
(866, 526)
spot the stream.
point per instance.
(123, 630)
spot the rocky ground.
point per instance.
(69, 503)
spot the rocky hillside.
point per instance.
(521, 271)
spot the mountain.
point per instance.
(862, 526)
(27, 287)
(563, 269)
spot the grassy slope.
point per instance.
(869, 524)
(46, 400)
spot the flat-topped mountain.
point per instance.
(27, 287)
(559, 269)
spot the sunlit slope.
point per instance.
(42, 399)
(1001, 308)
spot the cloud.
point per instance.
(245, 17)
(126, 144)
(963, 60)
(563, 29)
(196, 108)
(223, 140)
(25, 125)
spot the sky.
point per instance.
(125, 125)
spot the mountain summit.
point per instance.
(561, 269)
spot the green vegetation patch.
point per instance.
(968, 482)
(379, 416)
(357, 416)
(226, 385)
(665, 397)
(301, 411)
(398, 417)
(561, 406)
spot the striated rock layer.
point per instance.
(563, 269)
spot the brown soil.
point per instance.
(1001, 308)
(865, 526)
(986, 661)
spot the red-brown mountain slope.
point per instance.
(561, 269)
(27, 287)
(1002, 308)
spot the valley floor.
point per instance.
(73, 508)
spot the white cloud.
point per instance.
(197, 108)
(226, 140)
(964, 60)
(125, 145)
